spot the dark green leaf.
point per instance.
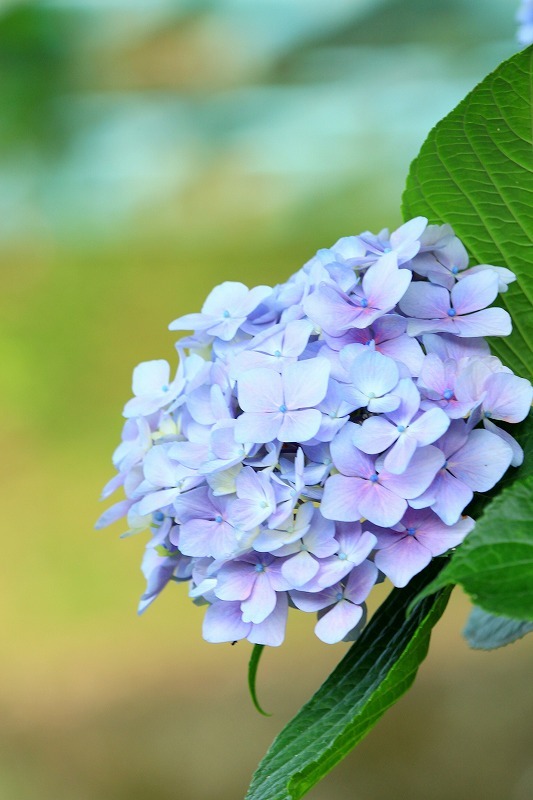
(486, 631)
(252, 676)
(375, 672)
(475, 172)
(495, 562)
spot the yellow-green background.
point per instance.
(148, 150)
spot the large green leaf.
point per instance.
(495, 562)
(376, 671)
(475, 172)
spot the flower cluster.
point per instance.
(320, 434)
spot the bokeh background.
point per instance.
(148, 150)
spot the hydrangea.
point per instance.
(321, 434)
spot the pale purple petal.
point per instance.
(422, 468)
(341, 498)
(299, 426)
(338, 622)
(423, 301)
(235, 581)
(375, 435)
(508, 397)
(482, 461)
(402, 560)
(360, 582)
(223, 623)
(475, 292)
(258, 427)
(299, 569)
(398, 458)
(261, 602)
(305, 383)
(260, 390)
(374, 374)
(518, 453)
(377, 504)
(271, 631)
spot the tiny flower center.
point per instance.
(387, 250)
(364, 302)
(411, 531)
(259, 568)
(277, 353)
(159, 516)
(342, 556)
(447, 394)
(400, 428)
(452, 312)
(487, 414)
(370, 342)
(225, 314)
(339, 596)
(165, 388)
(283, 408)
(371, 396)
(374, 477)
(263, 504)
(218, 518)
(455, 270)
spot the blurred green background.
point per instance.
(149, 149)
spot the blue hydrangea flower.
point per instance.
(320, 433)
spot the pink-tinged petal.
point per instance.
(156, 500)
(429, 426)
(379, 505)
(260, 390)
(331, 309)
(261, 602)
(348, 459)
(223, 623)
(305, 383)
(422, 468)
(374, 374)
(475, 292)
(402, 560)
(340, 500)
(482, 461)
(271, 631)
(398, 458)
(299, 426)
(235, 581)
(360, 582)
(439, 538)
(447, 496)
(375, 435)
(518, 453)
(338, 622)
(508, 397)
(257, 427)
(299, 569)
(423, 301)
(384, 283)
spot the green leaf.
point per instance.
(495, 562)
(375, 672)
(475, 172)
(252, 675)
(486, 631)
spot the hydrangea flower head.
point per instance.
(321, 434)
